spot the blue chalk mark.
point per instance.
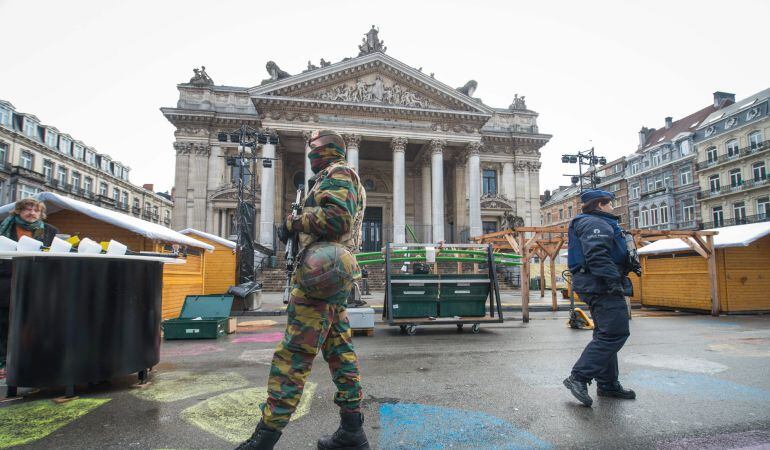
(409, 426)
(698, 385)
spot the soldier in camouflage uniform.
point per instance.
(329, 230)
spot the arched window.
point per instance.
(732, 148)
(755, 140)
(653, 215)
(711, 154)
(759, 171)
(663, 213)
(645, 217)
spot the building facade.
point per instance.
(733, 151)
(662, 188)
(35, 157)
(435, 161)
(560, 206)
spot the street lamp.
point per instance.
(581, 158)
(247, 138)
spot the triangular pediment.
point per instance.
(371, 80)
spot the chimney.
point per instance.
(643, 137)
(149, 187)
(722, 99)
(669, 121)
(547, 195)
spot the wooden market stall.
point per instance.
(678, 276)
(219, 272)
(546, 241)
(76, 218)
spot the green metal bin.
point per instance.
(461, 296)
(415, 298)
(202, 317)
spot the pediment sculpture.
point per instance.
(275, 73)
(376, 91)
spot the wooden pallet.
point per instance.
(363, 332)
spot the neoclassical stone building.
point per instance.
(435, 161)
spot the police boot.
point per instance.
(615, 390)
(264, 438)
(579, 389)
(349, 436)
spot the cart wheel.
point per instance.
(402, 329)
(476, 328)
(459, 327)
(411, 330)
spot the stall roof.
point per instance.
(211, 237)
(735, 236)
(55, 202)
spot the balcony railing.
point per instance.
(743, 152)
(136, 210)
(735, 221)
(166, 220)
(29, 173)
(744, 185)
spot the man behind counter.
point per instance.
(26, 219)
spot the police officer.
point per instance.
(598, 262)
(329, 229)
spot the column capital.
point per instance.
(398, 144)
(474, 148)
(192, 148)
(306, 135)
(437, 146)
(352, 140)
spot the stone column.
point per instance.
(181, 178)
(461, 192)
(398, 144)
(534, 189)
(474, 189)
(508, 181)
(426, 206)
(267, 199)
(215, 180)
(308, 171)
(351, 142)
(527, 200)
(437, 188)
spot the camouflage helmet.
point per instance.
(327, 271)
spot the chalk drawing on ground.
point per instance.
(179, 385)
(261, 356)
(681, 363)
(408, 426)
(28, 422)
(234, 415)
(695, 385)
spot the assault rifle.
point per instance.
(632, 263)
(292, 245)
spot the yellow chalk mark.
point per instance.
(174, 386)
(27, 422)
(741, 350)
(234, 415)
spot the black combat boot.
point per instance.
(615, 390)
(349, 436)
(579, 389)
(264, 438)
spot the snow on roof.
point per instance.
(219, 240)
(55, 202)
(735, 236)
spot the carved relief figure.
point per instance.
(375, 92)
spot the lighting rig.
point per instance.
(249, 140)
(584, 158)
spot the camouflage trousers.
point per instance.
(312, 325)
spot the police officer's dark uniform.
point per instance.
(597, 260)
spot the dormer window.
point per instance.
(684, 147)
(65, 145)
(655, 158)
(51, 138)
(30, 127)
(5, 116)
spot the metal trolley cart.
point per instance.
(441, 298)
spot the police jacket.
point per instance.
(597, 254)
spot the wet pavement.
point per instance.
(701, 382)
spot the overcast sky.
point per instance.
(595, 71)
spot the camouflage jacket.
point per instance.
(333, 209)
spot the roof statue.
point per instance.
(518, 102)
(275, 73)
(201, 77)
(325, 63)
(469, 88)
(370, 43)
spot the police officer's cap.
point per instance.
(593, 194)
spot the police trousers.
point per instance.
(312, 326)
(599, 360)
